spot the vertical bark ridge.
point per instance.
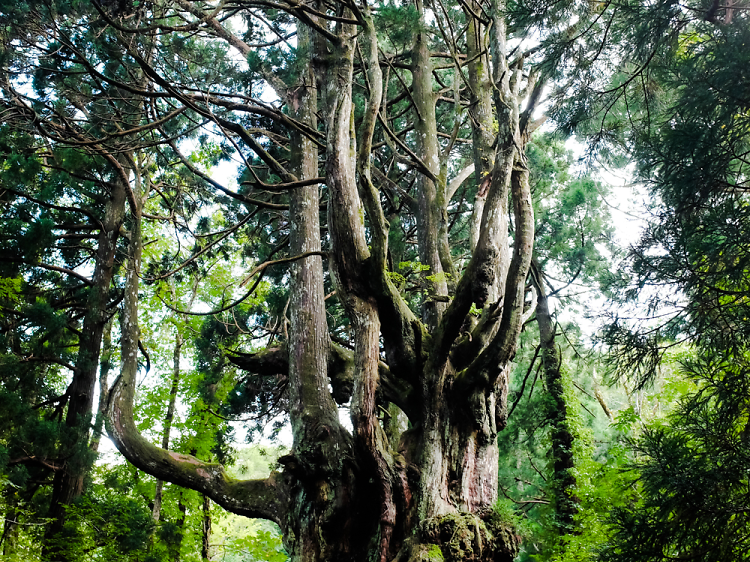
(105, 364)
(429, 200)
(206, 530)
(480, 113)
(312, 407)
(370, 437)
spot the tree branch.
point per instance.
(251, 498)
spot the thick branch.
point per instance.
(274, 361)
(488, 366)
(251, 498)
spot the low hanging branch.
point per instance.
(262, 498)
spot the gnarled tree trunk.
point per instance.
(358, 496)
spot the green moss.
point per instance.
(435, 553)
(427, 553)
(465, 536)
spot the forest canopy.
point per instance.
(363, 224)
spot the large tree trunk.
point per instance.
(361, 496)
(321, 479)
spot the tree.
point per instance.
(689, 136)
(51, 317)
(572, 227)
(375, 109)
(552, 418)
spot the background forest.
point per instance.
(169, 168)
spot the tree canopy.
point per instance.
(300, 212)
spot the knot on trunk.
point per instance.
(465, 537)
(485, 276)
(320, 455)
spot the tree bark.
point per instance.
(430, 189)
(206, 530)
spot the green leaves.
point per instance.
(10, 289)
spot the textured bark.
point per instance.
(319, 475)
(206, 530)
(350, 264)
(480, 112)
(430, 189)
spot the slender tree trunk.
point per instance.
(563, 480)
(10, 526)
(168, 418)
(180, 523)
(206, 530)
(68, 482)
(600, 397)
(104, 367)
(176, 375)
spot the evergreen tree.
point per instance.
(689, 135)
(353, 199)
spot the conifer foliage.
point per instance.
(690, 134)
(371, 247)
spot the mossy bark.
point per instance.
(563, 482)
(463, 537)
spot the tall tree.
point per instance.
(372, 119)
(688, 131)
